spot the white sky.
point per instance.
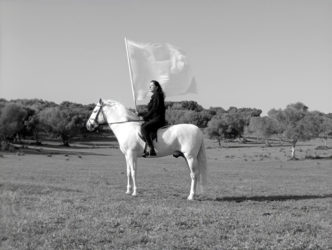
(245, 53)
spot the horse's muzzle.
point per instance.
(90, 126)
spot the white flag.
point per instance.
(162, 62)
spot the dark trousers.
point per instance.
(150, 127)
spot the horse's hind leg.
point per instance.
(194, 173)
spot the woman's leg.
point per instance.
(146, 130)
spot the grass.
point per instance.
(76, 200)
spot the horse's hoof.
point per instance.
(190, 198)
(127, 192)
(134, 194)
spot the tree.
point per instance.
(184, 105)
(35, 104)
(31, 125)
(216, 110)
(233, 125)
(191, 105)
(175, 116)
(62, 122)
(201, 118)
(263, 127)
(215, 129)
(326, 129)
(237, 119)
(297, 123)
(230, 124)
(11, 120)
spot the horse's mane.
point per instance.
(129, 115)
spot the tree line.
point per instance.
(39, 120)
(292, 124)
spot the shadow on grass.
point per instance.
(76, 146)
(317, 157)
(50, 152)
(272, 198)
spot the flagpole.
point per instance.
(130, 74)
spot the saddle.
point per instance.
(154, 134)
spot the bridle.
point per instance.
(105, 119)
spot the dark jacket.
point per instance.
(156, 109)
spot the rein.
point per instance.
(111, 123)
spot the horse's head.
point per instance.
(109, 112)
(97, 117)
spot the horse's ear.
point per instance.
(100, 101)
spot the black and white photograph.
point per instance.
(154, 124)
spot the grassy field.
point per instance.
(74, 198)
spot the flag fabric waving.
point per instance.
(162, 62)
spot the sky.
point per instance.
(245, 53)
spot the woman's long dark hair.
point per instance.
(160, 91)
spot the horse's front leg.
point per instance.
(131, 159)
(128, 178)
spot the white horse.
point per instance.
(180, 140)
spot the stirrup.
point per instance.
(146, 154)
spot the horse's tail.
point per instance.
(202, 164)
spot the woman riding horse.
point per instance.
(186, 139)
(154, 117)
